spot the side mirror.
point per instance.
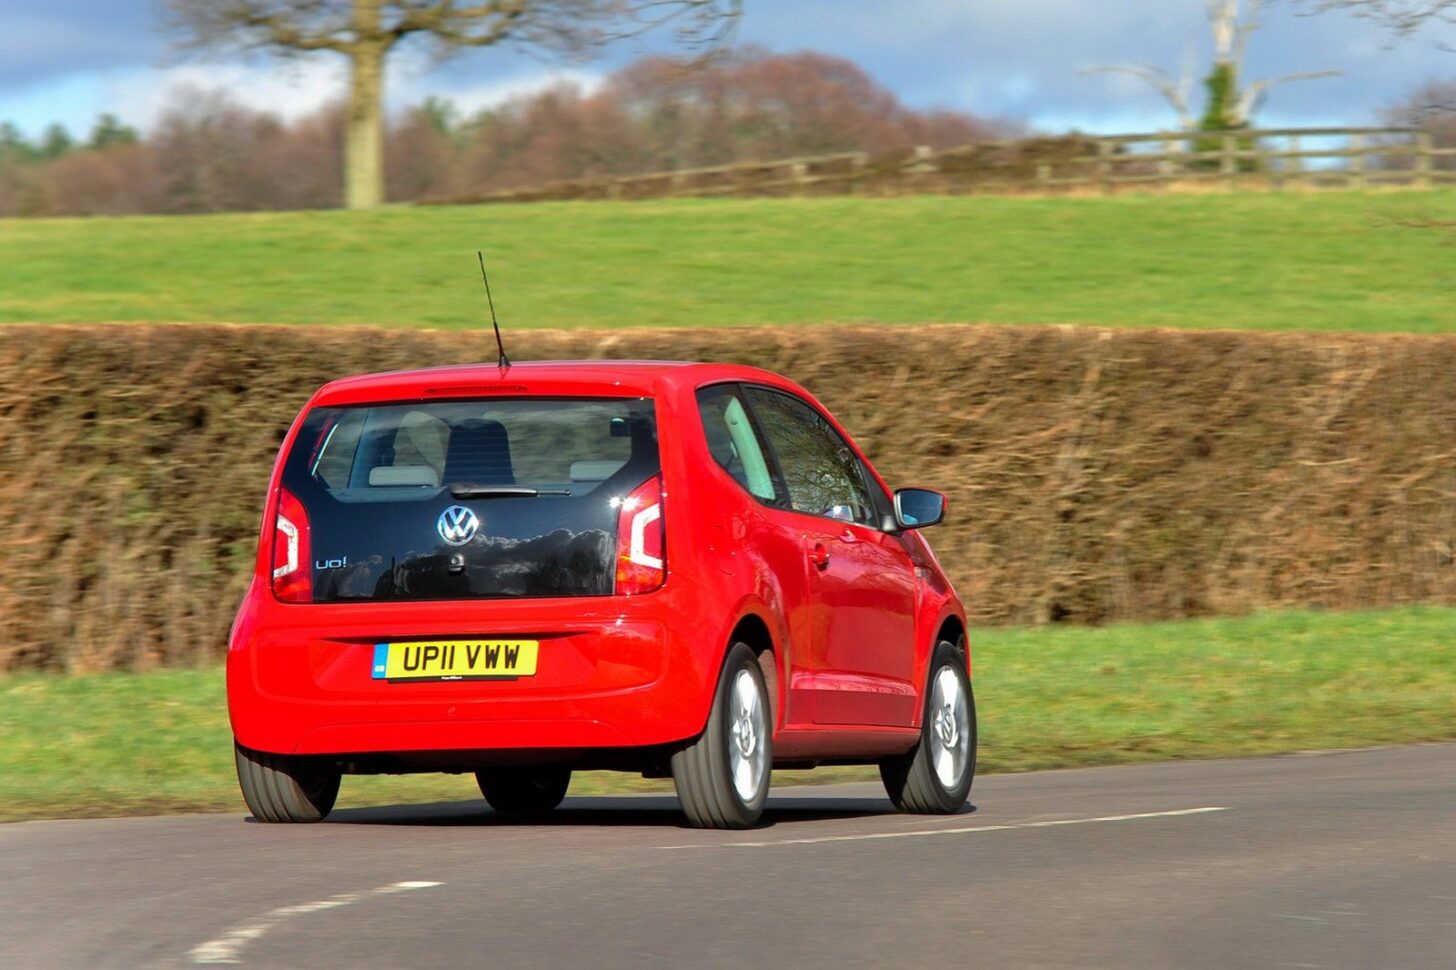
(916, 508)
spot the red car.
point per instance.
(667, 568)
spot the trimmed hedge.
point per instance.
(1094, 475)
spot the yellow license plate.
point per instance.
(455, 659)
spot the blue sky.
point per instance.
(69, 60)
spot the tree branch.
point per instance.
(451, 23)
(1401, 16)
(291, 25)
(566, 25)
(1174, 92)
(1255, 94)
(275, 32)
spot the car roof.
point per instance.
(610, 378)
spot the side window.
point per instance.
(821, 471)
(732, 441)
(334, 457)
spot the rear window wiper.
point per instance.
(465, 490)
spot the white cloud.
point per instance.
(289, 89)
(471, 95)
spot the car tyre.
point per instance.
(528, 791)
(722, 778)
(935, 777)
(280, 788)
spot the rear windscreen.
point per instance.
(466, 499)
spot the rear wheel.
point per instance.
(524, 791)
(280, 788)
(722, 778)
(935, 778)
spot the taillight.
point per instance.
(641, 542)
(292, 572)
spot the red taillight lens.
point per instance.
(641, 540)
(292, 565)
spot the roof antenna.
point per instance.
(504, 361)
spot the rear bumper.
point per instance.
(621, 672)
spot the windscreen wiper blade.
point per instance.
(465, 490)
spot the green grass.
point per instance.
(1048, 698)
(1333, 261)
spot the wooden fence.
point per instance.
(1264, 158)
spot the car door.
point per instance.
(858, 659)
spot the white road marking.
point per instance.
(960, 830)
(225, 948)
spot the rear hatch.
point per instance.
(498, 498)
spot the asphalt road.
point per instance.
(1333, 860)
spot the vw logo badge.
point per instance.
(457, 525)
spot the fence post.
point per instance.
(1104, 166)
(1170, 168)
(1357, 159)
(1296, 164)
(1227, 163)
(799, 172)
(920, 165)
(1424, 145)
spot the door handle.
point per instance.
(819, 556)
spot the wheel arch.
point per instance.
(953, 630)
(753, 630)
(945, 624)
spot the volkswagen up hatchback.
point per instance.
(667, 568)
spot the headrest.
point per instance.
(387, 475)
(594, 470)
(479, 453)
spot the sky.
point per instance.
(68, 61)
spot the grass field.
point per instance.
(1048, 698)
(1335, 261)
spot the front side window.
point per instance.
(822, 473)
(733, 442)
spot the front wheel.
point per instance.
(524, 791)
(935, 778)
(722, 777)
(281, 788)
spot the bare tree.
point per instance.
(1230, 104)
(367, 31)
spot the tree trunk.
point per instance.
(1223, 19)
(363, 146)
(364, 139)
